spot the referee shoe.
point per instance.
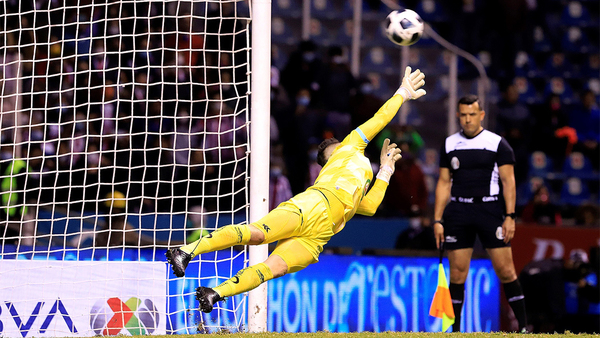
(179, 260)
(207, 297)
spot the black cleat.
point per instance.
(179, 260)
(207, 297)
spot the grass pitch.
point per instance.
(383, 335)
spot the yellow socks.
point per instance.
(245, 280)
(225, 237)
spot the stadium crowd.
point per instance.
(113, 97)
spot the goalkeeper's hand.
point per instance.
(412, 81)
(389, 155)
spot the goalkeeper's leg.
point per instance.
(289, 256)
(276, 225)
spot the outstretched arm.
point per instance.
(389, 155)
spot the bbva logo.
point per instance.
(25, 324)
(109, 317)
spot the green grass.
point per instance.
(380, 335)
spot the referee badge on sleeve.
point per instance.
(499, 233)
(455, 163)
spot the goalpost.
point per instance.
(125, 130)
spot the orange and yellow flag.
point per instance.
(441, 307)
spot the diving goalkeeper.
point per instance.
(305, 223)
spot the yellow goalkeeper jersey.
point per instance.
(348, 174)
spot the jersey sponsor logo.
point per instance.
(499, 233)
(455, 163)
(451, 239)
(466, 200)
(489, 198)
(266, 227)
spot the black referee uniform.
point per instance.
(476, 204)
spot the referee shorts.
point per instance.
(464, 221)
(302, 225)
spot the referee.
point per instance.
(477, 179)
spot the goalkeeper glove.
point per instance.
(389, 155)
(412, 81)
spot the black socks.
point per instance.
(457, 292)
(514, 295)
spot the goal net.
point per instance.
(123, 132)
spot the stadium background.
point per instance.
(542, 57)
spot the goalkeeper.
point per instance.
(305, 223)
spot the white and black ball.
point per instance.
(404, 27)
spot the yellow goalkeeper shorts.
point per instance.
(308, 219)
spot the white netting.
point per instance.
(124, 131)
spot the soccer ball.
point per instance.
(404, 27)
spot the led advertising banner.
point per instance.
(81, 298)
(345, 294)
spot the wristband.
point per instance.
(512, 215)
(406, 94)
(438, 221)
(385, 173)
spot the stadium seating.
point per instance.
(381, 88)
(558, 86)
(319, 33)
(432, 11)
(344, 33)
(541, 42)
(574, 192)
(525, 65)
(577, 165)
(287, 8)
(540, 165)
(575, 14)
(281, 32)
(527, 92)
(557, 65)
(574, 40)
(325, 9)
(527, 189)
(377, 59)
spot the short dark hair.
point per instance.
(468, 100)
(321, 160)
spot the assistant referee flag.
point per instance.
(441, 307)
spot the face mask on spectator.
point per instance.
(303, 101)
(338, 59)
(308, 56)
(366, 88)
(275, 172)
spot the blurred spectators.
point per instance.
(302, 69)
(514, 122)
(279, 185)
(540, 208)
(587, 215)
(336, 85)
(407, 193)
(585, 118)
(550, 118)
